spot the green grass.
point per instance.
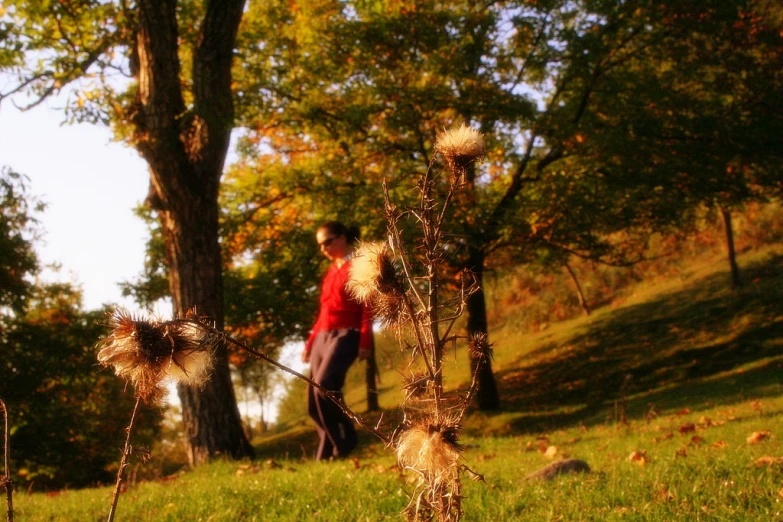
(693, 366)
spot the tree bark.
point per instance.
(486, 391)
(186, 148)
(735, 277)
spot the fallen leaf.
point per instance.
(696, 441)
(682, 452)
(640, 457)
(758, 436)
(767, 461)
(720, 444)
(664, 494)
(687, 428)
(550, 452)
(665, 437)
(684, 411)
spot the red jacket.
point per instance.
(340, 310)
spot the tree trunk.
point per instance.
(371, 375)
(579, 293)
(735, 277)
(211, 416)
(486, 392)
(185, 147)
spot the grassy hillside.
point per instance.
(672, 393)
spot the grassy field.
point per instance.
(673, 395)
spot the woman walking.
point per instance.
(342, 333)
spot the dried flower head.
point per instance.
(460, 147)
(432, 450)
(145, 352)
(374, 281)
(372, 272)
(480, 347)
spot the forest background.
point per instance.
(612, 129)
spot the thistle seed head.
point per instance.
(432, 450)
(479, 347)
(146, 351)
(372, 272)
(460, 147)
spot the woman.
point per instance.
(342, 332)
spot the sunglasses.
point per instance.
(328, 241)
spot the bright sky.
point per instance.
(90, 185)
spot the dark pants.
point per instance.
(332, 354)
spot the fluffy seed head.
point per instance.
(460, 147)
(431, 450)
(145, 351)
(193, 362)
(372, 272)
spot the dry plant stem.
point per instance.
(327, 393)
(408, 273)
(406, 266)
(123, 462)
(431, 240)
(6, 479)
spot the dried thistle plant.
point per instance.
(374, 281)
(148, 353)
(460, 147)
(427, 443)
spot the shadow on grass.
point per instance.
(702, 344)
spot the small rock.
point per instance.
(559, 467)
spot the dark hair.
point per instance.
(352, 234)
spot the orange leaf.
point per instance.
(687, 428)
(767, 461)
(758, 436)
(640, 457)
(682, 452)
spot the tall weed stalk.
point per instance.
(403, 284)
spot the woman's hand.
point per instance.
(305, 356)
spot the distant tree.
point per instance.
(158, 72)
(67, 418)
(17, 234)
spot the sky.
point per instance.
(90, 186)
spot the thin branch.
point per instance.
(123, 461)
(330, 394)
(5, 480)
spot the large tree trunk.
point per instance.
(486, 392)
(185, 147)
(211, 416)
(735, 277)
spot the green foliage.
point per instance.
(17, 233)
(67, 417)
